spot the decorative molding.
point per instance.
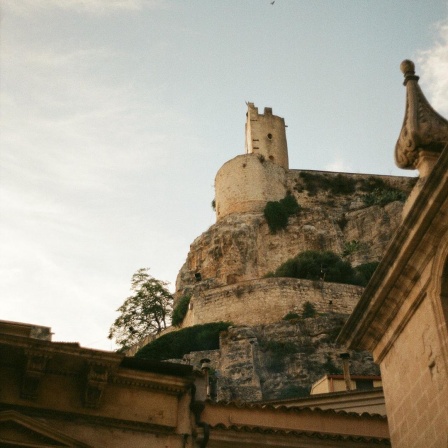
(97, 376)
(35, 369)
(424, 217)
(94, 420)
(172, 385)
(423, 128)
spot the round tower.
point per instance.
(247, 182)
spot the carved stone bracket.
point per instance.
(35, 367)
(97, 376)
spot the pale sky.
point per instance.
(115, 116)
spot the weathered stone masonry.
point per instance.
(264, 301)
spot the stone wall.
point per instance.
(246, 183)
(415, 386)
(268, 300)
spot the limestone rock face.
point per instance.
(279, 360)
(240, 246)
(225, 254)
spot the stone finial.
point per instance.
(424, 133)
(407, 67)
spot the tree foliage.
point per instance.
(145, 312)
(309, 310)
(278, 212)
(326, 266)
(180, 310)
(315, 265)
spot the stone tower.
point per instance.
(266, 135)
(245, 183)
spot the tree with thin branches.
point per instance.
(145, 312)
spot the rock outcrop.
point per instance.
(240, 247)
(279, 360)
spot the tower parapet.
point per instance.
(266, 135)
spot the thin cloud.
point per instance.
(433, 68)
(338, 165)
(87, 127)
(94, 7)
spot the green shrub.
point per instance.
(364, 272)
(281, 348)
(290, 204)
(338, 184)
(372, 183)
(178, 343)
(309, 310)
(383, 196)
(327, 266)
(180, 310)
(350, 247)
(313, 182)
(315, 265)
(341, 184)
(278, 212)
(291, 315)
(276, 216)
(342, 222)
(293, 391)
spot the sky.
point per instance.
(115, 116)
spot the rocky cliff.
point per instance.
(279, 360)
(352, 215)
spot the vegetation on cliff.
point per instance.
(176, 344)
(325, 266)
(180, 310)
(383, 196)
(377, 191)
(309, 310)
(338, 184)
(278, 212)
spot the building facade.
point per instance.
(402, 316)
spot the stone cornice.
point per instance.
(285, 419)
(168, 384)
(35, 368)
(96, 370)
(225, 431)
(95, 420)
(423, 128)
(61, 348)
(381, 300)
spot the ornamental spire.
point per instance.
(424, 134)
